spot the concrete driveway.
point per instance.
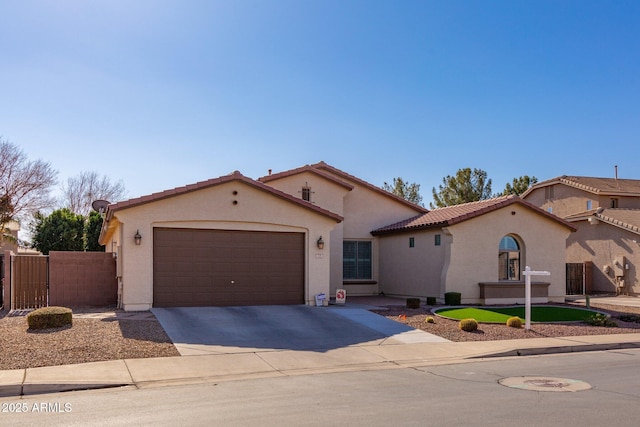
(219, 330)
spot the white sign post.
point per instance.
(527, 293)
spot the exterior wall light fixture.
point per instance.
(137, 237)
(320, 243)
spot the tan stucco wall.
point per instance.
(363, 210)
(9, 245)
(566, 201)
(324, 193)
(474, 250)
(468, 255)
(601, 244)
(411, 272)
(213, 208)
(569, 200)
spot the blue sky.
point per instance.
(160, 94)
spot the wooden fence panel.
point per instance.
(575, 276)
(29, 281)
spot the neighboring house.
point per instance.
(9, 240)
(606, 214)
(288, 236)
(478, 249)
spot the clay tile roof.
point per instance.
(450, 215)
(602, 186)
(628, 219)
(235, 176)
(305, 168)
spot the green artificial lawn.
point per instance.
(501, 314)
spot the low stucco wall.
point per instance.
(82, 279)
(512, 292)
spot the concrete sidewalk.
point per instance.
(228, 367)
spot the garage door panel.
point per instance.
(196, 267)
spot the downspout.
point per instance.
(119, 267)
(447, 241)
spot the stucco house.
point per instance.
(355, 258)
(288, 236)
(606, 214)
(478, 249)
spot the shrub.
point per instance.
(431, 300)
(600, 319)
(50, 317)
(634, 318)
(413, 302)
(429, 319)
(452, 298)
(514, 322)
(468, 325)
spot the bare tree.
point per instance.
(82, 189)
(25, 185)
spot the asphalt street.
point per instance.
(468, 393)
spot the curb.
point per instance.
(579, 348)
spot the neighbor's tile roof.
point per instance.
(235, 176)
(450, 215)
(628, 219)
(603, 186)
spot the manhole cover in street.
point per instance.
(545, 384)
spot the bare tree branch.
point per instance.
(25, 185)
(82, 189)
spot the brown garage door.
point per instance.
(193, 268)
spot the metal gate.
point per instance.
(29, 281)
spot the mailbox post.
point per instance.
(527, 293)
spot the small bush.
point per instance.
(431, 300)
(429, 319)
(634, 318)
(514, 322)
(468, 325)
(50, 317)
(452, 298)
(600, 319)
(413, 302)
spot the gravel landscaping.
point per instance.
(92, 339)
(87, 340)
(486, 332)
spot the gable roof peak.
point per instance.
(450, 215)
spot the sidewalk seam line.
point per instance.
(129, 372)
